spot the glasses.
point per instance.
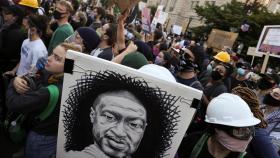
(242, 133)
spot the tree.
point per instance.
(232, 15)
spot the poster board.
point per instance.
(177, 29)
(269, 40)
(146, 20)
(160, 17)
(142, 5)
(168, 110)
(219, 38)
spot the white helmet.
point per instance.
(230, 110)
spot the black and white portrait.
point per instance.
(108, 111)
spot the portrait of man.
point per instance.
(108, 114)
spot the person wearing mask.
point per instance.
(261, 145)
(63, 10)
(187, 73)
(216, 86)
(240, 79)
(164, 59)
(266, 83)
(271, 110)
(221, 57)
(231, 127)
(33, 48)
(108, 37)
(33, 100)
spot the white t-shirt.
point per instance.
(31, 51)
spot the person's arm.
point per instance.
(120, 31)
(130, 49)
(30, 101)
(12, 72)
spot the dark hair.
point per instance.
(162, 114)
(157, 35)
(40, 22)
(100, 11)
(112, 33)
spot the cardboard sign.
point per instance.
(218, 39)
(110, 110)
(177, 29)
(270, 40)
(124, 4)
(146, 20)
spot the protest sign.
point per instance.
(219, 38)
(270, 40)
(146, 20)
(110, 110)
(160, 17)
(177, 29)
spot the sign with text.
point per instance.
(146, 20)
(270, 40)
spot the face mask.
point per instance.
(269, 100)
(241, 72)
(57, 15)
(209, 68)
(216, 75)
(159, 61)
(231, 143)
(264, 84)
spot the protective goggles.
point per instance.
(242, 133)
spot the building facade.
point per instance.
(182, 13)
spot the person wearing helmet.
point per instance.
(243, 68)
(29, 6)
(220, 58)
(231, 127)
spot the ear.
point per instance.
(92, 114)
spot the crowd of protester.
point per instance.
(34, 39)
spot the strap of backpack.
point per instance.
(199, 145)
(54, 94)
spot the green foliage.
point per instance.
(232, 15)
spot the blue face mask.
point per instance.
(209, 68)
(241, 72)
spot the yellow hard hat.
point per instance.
(223, 57)
(29, 3)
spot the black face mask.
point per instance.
(264, 84)
(269, 100)
(57, 15)
(216, 75)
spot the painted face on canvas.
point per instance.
(119, 123)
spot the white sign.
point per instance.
(177, 29)
(252, 51)
(270, 40)
(160, 17)
(142, 5)
(110, 110)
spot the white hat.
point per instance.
(157, 71)
(230, 110)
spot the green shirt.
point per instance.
(60, 34)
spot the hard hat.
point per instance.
(223, 57)
(158, 72)
(230, 110)
(30, 3)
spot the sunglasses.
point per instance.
(241, 133)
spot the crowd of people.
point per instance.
(238, 115)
